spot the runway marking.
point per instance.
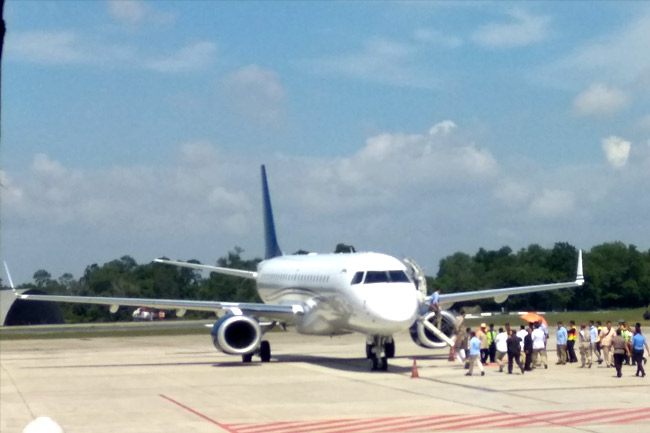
(494, 420)
(199, 414)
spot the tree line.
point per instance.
(617, 276)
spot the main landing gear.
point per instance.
(264, 351)
(378, 350)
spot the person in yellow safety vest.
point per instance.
(571, 342)
(627, 336)
(491, 341)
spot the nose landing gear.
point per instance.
(378, 349)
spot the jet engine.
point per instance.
(425, 338)
(236, 335)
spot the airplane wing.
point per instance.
(225, 271)
(269, 311)
(283, 312)
(500, 295)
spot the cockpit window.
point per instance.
(376, 277)
(357, 279)
(398, 277)
(380, 277)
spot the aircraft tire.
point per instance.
(247, 358)
(265, 351)
(375, 363)
(384, 364)
(368, 350)
(390, 349)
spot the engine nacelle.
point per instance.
(425, 338)
(236, 335)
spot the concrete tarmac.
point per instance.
(313, 384)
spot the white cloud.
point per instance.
(192, 57)
(523, 29)
(380, 61)
(127, 11)
(600, 99)
(644, 123)
(257, 94)
(444, 127)
(393, 169)
(436, 38)
(136, 12)
(69, 48)
(552, 204)
(617, 151)
(620, 57)
(623, 55)
(133, 199)
(45, 167)
(513, 193)
(58, 47)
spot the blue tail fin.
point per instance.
(272, 247)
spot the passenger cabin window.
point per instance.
(357, 279)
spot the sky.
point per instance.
(417, 129)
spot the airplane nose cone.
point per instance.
(393, 305)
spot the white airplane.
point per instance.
(324, 294)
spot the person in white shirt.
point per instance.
(594, 339)
(501, 348)
(539, 346)
(522, 334)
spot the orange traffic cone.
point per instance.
(414, 371)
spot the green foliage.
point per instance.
(344, 248)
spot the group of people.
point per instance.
(614, 347)
(526, 347)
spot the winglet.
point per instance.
(580, 278)
(11, 283)
(271, 240)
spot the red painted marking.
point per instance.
(610, 415)
(349, 423)
(242, 427)
(436, 423)
(396, 422)
(564, 414)
(297, 426)
(635, 418)
(199, 414)
(532, 415)
(482, 422)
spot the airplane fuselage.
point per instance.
(368, 293)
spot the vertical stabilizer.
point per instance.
(272, 247)
(11, 283)
(580, 277)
